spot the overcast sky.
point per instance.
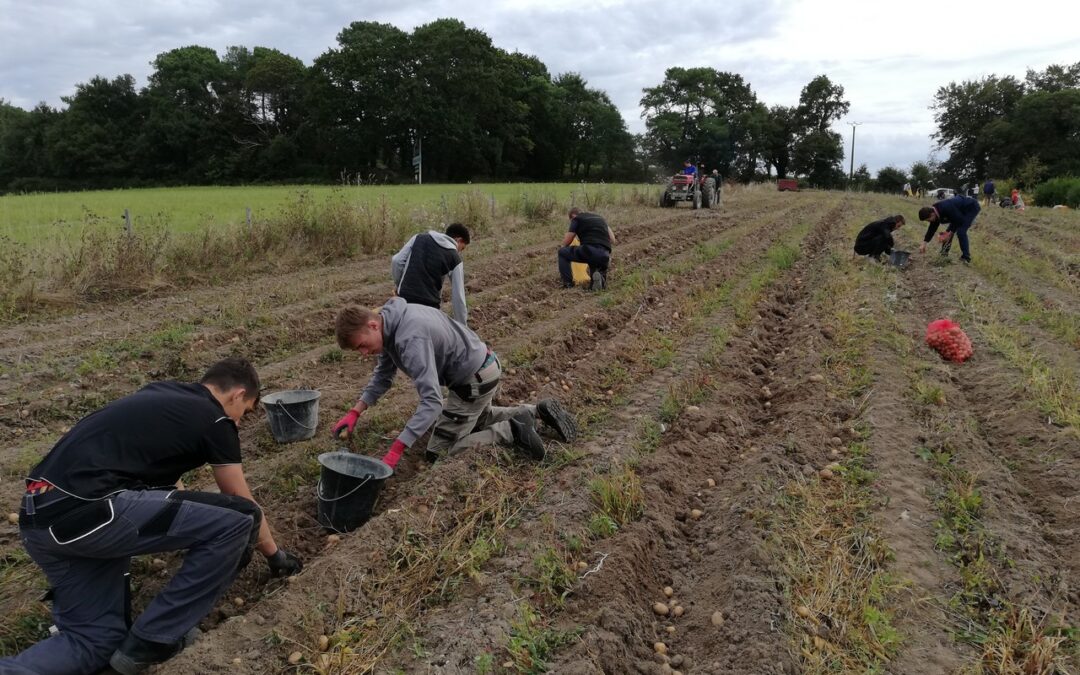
(889, 61)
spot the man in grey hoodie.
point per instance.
(419, 268)
(436, 351)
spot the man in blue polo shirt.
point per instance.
(109, 489)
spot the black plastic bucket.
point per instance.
(899, 258)
(348, 488)
(293, 415)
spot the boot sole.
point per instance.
(555, 416)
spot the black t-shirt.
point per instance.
(146, 440)
(591, 230)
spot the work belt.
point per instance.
(486, 379)
(42, 508)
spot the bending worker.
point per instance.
(419, 268)
(876, 238)
(958, 213)
(436, 351)
(596, 239)
(105, 492)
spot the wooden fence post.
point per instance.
(248, 217)
(127, 221)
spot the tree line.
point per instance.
(1024, 133)
(359, 112)
(363, 108)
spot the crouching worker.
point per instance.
(108, 490)
(434, 350)
(876, 238)
(596, 240)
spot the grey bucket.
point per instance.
(899, 258)
(293, 415)
(348, 487)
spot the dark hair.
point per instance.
(231, 373)
(899, 219)
(925, 213)
(350, 321)
(458, 231)
(574, 211)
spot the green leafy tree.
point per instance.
(862, 180)
(710, 116)
(819, 151)
(891, 180)
(778, 138)
(92, 141)
(1054, 78)
(820, 104)
(921, 175)
(360, 99)
(962, 111)
(819, 156)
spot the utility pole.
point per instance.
(418, 161)
(851, 173)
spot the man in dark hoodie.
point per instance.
(436, 351)
(876, 238)
(424, 261)
(958, 213)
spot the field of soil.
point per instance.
(775, 474)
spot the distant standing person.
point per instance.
(988, 192)
(876, 238)
(596, 240)
(958, 213)
(419, 268)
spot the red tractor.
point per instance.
(698, 190)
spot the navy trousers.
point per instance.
(596, 257)
(86, 553)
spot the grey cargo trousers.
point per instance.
(85, 557)
(468, 420)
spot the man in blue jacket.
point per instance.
(958, 213)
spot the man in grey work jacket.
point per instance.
(436, 351)
(419, 268)
(105, 492)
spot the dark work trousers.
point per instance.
(875, 247)
(470, 421)
(86, 553)
(596, 257)
(961, 236)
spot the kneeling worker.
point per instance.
(596, 240)
(876, 238)
(105, 492)
(434, 350)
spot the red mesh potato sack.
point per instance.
(949, 340)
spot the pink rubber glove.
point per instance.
(346, 423)
(391, 458)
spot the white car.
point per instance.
(940, 193)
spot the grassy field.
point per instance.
(41, 217)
